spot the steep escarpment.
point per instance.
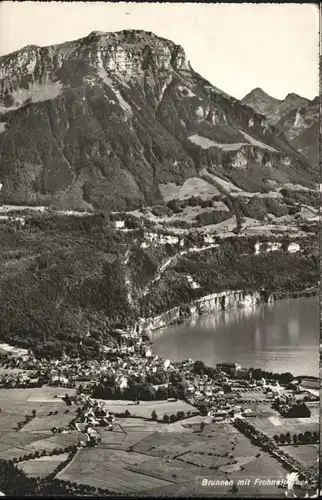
(296, 116)
(106, 121)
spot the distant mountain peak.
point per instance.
(296, 116)
(292, 96)
(258, 93)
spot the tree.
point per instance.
(234, 489)
(154, 416)
(276, 438)
(199, 367)
(202, 426)
(282, 439)
(173, 418)
(67, 400)
(162, 393)
(257, 374)
(286, 378)
(307, 436)
(166, 418)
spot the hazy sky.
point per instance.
(237, 47)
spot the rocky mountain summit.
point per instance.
(296, 116)
(112, 120)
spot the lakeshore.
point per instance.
(220, 301)
(280, 334)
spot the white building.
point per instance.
(293, 248)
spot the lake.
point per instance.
(278, 337)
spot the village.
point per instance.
(132, 394)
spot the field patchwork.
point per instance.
(104, 468)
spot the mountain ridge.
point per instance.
(104, 121)
(297, 117)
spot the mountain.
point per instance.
(296, 116)
(114, 121)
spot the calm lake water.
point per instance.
(280, 337)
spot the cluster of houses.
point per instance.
(92, 415)
(274, 246)
(12, 380)
(161, 239)
(130, 356)
(220, 398)
(151, 237)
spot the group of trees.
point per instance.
(301, 438)
(180, 415)
(27, 419)
(138, 390)
(283, 378)
(140, 387)
(62, 285)
(233, 265)
(200, 368)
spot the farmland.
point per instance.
(307, 454)
(45, 409)
(274, 423)
(221, 452)
(139, 455)
(42, 466)
(101, 468)
(145, 408)
(251, 395)
(49, 421)
(160, 460)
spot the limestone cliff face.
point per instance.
(228, 299)
(102, 121)
(209, 303)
